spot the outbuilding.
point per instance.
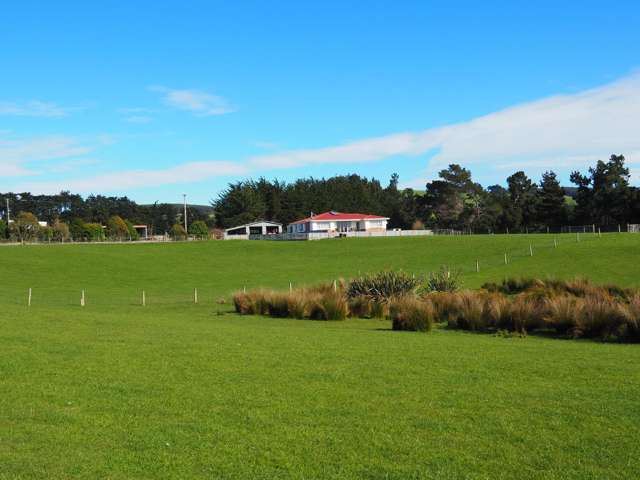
(262, 227)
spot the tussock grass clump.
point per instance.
(297, 305)
(411, 314)
(446, 305)
(600, 318)
(562, 313)
(495, 311)
(253, 302)
(329, 307)
(470, 315)
(360, 307)
(278, 305)
(379, 309)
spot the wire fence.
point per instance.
(129, 296)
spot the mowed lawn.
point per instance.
(177, 390)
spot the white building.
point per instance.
(339, 222)
(253, 228)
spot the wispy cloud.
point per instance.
(565, 129)
(123, 180)
(34, 108)
(200, 103)
(17, 154)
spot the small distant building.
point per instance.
(254, 228)
(143, 231)
(339, 222)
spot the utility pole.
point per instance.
(186, 229)
(8, 218)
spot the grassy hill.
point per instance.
(177, 390)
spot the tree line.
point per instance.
(602, 196)
(98, 217)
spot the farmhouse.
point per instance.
(254, 228)
(339, 222)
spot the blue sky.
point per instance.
(153, 99)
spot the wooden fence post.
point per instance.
(530, 250)
(82, 299)
(290, 287)
(477, 266)
(555, 243)
(599, 234)
(195, 295)
(144, 299)
(505, 259)
(29, 301)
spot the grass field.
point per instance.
(175, 390)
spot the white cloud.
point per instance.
(124, 180)
(198, 102)
(570, 130)
(16, 154)
(33, 108)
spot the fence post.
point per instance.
(555, 243)
(195, 295)
(507, 230)
(505, 258)
(290, 287)
(547, 229)
(29, 301)
(593, 228)
(82, 299)
(530, 250)
(599, 234)
(244, 289)
(144, 299)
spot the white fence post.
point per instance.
(29, 301)
(505, 258)
(195, 295)
(82, 299)
(144, 299)
(477, 266)
(530, 250)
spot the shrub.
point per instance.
(446, 305)
(3, 229)
(61, 231)
(600, 318)
(411, 314)
(199, 229)
(562, 313)
(496, 310)
(131, 231)
(297, 304)
(117, 228)
(331, 306)
(178, 232)
(383, 286)
(360, 307)
(254, 302)
(470, 316)
(278, 305)
(444, 280)
(379, 309)
(631, 330)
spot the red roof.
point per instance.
(327, 216)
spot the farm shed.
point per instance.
(254, 228)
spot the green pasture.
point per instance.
(177, 390)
